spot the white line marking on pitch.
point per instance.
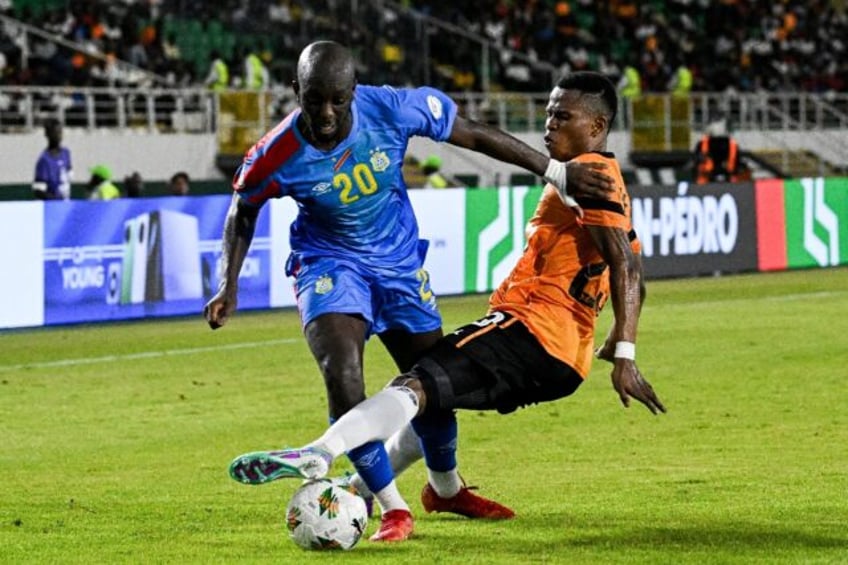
(143, 355)
(820, 294)
(775, 298)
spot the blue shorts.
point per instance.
(400, 301)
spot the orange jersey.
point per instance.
(561, 281)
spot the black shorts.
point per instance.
(494, 363)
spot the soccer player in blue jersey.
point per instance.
(356, 256)
(53, 169)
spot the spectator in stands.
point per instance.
(106, 72)
(218, 78)
(391, 51)
(136, 55)
(774, 46)
(53, 169)
(179, 184)
(10, 52)
(517, 74)
(170, 48)
(100, 186)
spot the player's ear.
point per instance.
(599, 126)
(296, 87)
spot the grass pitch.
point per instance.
(114, 440)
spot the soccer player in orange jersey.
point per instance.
(536, 343)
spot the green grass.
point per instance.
(114, 440)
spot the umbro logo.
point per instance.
(368, 460)
(322, 188)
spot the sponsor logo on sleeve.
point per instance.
(435, 106)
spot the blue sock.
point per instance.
(438, 433)
(372, 464)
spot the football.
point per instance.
(326, 514)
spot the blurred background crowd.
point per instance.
(727, 45)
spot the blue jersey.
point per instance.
(352, 200)
(53, 173)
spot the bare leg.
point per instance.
(337, 342)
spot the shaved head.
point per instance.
(326, 61)
(324, 87)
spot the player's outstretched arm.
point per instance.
(626, 294)
(239, 227)
(583, 179)
(606, 351)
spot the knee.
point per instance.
(339, 367)
(409, 382)
(415, 385)
(434, 419)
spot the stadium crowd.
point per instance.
(741, 45)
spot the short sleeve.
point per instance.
(425, 111)
(255, 180)
(255, 193)
(608, 212)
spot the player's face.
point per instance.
(326, 111)
(53, 133)
(570, 129)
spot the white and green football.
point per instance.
(325, 514)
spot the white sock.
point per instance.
(390, 499)
(375, 418)
(403, 448)
(446, 484)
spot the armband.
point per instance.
(625, 350)
(556, 175)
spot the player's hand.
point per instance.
(219, 309)
(589, 179)
(629, 383)
(606, 352)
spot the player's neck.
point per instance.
(599, 147)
